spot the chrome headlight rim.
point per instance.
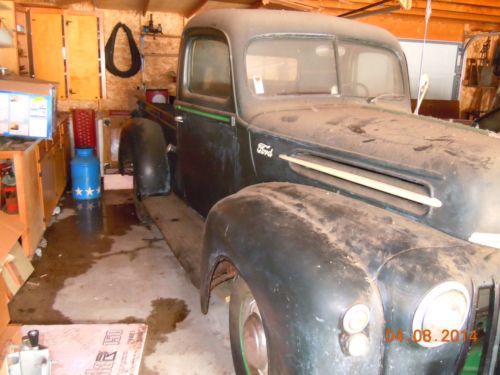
(350, 315)
(429, 298)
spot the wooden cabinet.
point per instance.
(41, 169)
(8, 55)
(53, 165)
(83, 56)
(65, 48)
(28, 194)
(47, 48)
(23, 43)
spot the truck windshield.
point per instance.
(308, 66)
(369, 72)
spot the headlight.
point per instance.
(444, 307)
(356, 318)
(358, 345)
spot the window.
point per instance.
(368, 71)
(291, 66)
(210, 72)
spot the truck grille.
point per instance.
(483, 356)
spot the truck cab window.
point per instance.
(367, 71)
(210, 72)
(291, 66)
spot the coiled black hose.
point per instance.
(135, 65)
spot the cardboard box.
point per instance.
(112, 127)
(11, 228)
(27, 107)
(15, 267)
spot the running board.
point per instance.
(182, 228)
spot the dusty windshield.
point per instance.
(369, 72)
(308, 66)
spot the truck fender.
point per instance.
(302, 283)
(142, 143)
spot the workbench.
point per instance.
(41, 169)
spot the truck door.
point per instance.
(206, 136)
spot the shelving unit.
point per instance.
(23, 43)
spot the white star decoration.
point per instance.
(89, 191)
(78, 191)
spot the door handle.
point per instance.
(179, 119)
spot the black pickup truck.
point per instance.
(359, 238)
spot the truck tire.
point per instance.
(249, 345)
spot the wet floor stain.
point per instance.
(72, 245)
(94, 249)
(163, 319)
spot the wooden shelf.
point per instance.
(160, 55)
(154, 36)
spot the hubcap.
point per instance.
(254, 339)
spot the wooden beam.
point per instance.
(196, 9)
(145, 6)
(363, 8)
(445, 10)
(296, 5)
(443, 5)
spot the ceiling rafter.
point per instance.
(196, 8)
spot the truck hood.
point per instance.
(455, 165)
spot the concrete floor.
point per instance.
(102, 266)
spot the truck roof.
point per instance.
(241, 25)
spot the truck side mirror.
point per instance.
(422, 91)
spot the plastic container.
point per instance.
(85, 175)
(84, 128)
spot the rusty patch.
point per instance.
(289, 118)
(356, 129)
(422, 148)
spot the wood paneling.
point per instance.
(47, 41)
(83, 56)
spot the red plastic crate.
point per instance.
(84, 128)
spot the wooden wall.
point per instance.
(412, 27)
(120, 91)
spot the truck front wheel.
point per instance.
(249, 345)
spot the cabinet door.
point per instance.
(47, 45)
(8, 55)
(48, 182)
(83, 56)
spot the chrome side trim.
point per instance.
(368, 182)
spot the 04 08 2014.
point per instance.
(430, 336)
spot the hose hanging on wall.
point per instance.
(135, 65)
